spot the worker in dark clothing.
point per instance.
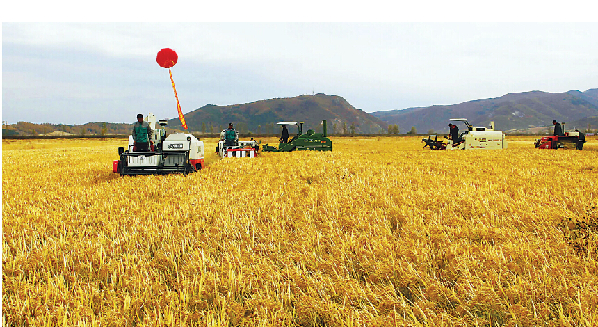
(142, 135)
(230, 135)
(558, 129)
(284, 138)
(454, 133)
(581, 140)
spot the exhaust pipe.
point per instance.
(324, 132)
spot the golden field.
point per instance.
(379, 232)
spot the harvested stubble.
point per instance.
(377, 232)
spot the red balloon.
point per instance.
(166, 58)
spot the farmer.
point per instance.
(230, 135)
(285, 134)
(558, 129)
(454, 133)
(142, 134)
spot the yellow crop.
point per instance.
(379, 232)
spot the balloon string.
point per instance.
(178, 105)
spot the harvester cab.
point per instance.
(174, 153)
(474, 138)
(235, 148)
(308, 141)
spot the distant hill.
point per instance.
(262, 116)
(514, 111)
(590, 95)
(584, 124)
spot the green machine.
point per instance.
(307, 141)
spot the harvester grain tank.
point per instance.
(571, 140)
(174, 153)
(301, 142)
(474, 138)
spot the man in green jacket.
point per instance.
(142, 135)
(230, 135)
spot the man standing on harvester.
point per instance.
(142, 135)
(230, 135)
(558, 129)
(454, 134)
(284, 138)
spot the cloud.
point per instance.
(108, 70)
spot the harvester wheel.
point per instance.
(119, 167)
(198, 166)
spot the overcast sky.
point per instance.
(75, 73)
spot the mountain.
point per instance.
(262, 116)
(513, 111)
(584, 124)
(590, 95)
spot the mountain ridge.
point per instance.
(262, 116)
(510, 112)
(513, 113)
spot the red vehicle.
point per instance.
(568, 141)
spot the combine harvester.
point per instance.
(175, 153)
(474, 138)
(238, 149)
(300, 142)
(571, 140)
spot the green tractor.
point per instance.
(308, 141)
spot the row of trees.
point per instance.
(394, 130)
(100, 128)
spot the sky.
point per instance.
(73, 73)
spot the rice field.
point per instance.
(379, 232)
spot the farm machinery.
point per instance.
(570, 140)
(474, 138)
(434, 144)
(300, 142)
(236, 148)
(174, 153)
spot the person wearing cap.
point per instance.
(142, 135)
(558, 129)
(454, 133)
(581, 140)
(230, 135)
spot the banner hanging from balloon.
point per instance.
(167, 58)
